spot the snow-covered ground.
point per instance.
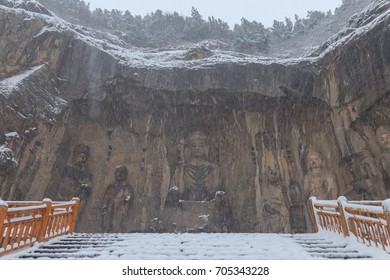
(232, 246)
(281, 256)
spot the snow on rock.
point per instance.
(195, 55)
(7, 161)
(11, 83)
(375, 13)
(31, 6)
(6, 154)
(178, 56)
(12, 135)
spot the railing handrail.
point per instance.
(23, 223)
(369, 222)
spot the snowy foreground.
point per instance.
(197, 256)
(234, 246)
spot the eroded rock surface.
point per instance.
(62, 86)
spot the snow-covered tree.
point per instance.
(251, 36)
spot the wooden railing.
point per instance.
(369, 221)
(23, 223)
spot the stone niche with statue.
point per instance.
(195, 200)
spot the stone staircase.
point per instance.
(195, 246)
(77, 246)
(321, 248)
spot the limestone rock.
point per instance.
(62, 86)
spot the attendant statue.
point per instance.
(383, 136)
(79, 174)
(75, 181)
(75, 178)
(274, 193)
(319, 181)
(118, 198)
(366, 181)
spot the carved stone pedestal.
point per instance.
(192, 216)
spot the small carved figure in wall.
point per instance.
(319, 181)
(78, 174)
(117, 201)
(383, 136)
(297, 209)
(198, 178)
(366, 180)
(274, 194)
(74, 181)
(224, 211)
(173, 197)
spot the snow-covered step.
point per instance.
(327, 248)
(201, 246)
(77, 246)
(43, 256)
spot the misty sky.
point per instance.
(264, 11)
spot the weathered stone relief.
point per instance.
(75, 180)
(319, 180)
(117, 201)
(274, 198)
(383, 136)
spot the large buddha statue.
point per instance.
(198, 178)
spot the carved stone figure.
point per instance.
(76, 177)
(198, 178)
(319, 181)
(297, 209)
(117, 201)
(366, 180)
(195, 201)
(274, 193)
(383, 136)
(223, 212)
(75, 181)
(173, 198)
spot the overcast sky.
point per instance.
(264, 11)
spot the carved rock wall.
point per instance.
(271, 128)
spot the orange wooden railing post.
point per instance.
(386, 212)
(343, 220)
(45, 220)
(3, 215)
(313, 213)
(74, 214)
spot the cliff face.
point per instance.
(268, 133)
